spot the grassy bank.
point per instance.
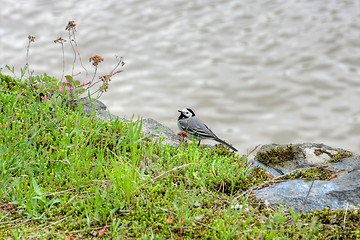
(68, 176)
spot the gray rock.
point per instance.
(307, 155)
(151, 128)
(100, 109)
(343, 191)
(157, 131)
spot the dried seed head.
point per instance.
(31, 38)
(59, 40)
(71, 25)
(96, 59)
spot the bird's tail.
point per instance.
(225, 143)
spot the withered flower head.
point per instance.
(31, 38)
(182, 134)
(106, 79)
(71, 25)
(59, 40)
(121, 61)
(96, 59)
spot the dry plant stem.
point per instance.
(90, 86)
(346, 208)
(247, 163)
(63, 58)
(27, 57)
(78, 52)
(31, 39)
(68, 190)
(47, 226)
(12, 221)
(171, 236)
(307, 195)
(117, 65)
(253, 150)
(72, 46)
(71, 232)
(197, 222)
(52, 121)
(99, 95)
(90, 83)
(100, 91)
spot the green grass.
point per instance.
(64, 174)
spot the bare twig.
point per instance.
(52, 121)
(70, 26)
(247, 162)
(120, 62)
(89, 83)
(253, 150)
(100, 181)
(47, 226)
(77, 49)
(12, 221)
(171, 236)
(307, 195)
(71, 232)
(346, 208)
(61, 41)
(64, 191)
(31, 39)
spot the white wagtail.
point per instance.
(196, 129)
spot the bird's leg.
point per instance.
(199, 143)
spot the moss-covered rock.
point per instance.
(277, 155)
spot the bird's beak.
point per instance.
(179, 111)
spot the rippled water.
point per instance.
(255, 72)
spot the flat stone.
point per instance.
(342, 191)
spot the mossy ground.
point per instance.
(67, 175)
(337, 224)
(340, 155)
(313, 173)
(277, 155)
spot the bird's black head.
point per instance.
(186, 113)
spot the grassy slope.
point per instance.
(63, 174)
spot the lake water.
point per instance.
(255, 72)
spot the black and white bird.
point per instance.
(196, 129)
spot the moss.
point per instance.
(7, 82)
(316, 173)
(340, 155)
(258, 175)
(226, 186)
(221, 150)
(336, 224)
(336, 157)
(277, 155)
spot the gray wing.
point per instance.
(198, 128)
(194, 126)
